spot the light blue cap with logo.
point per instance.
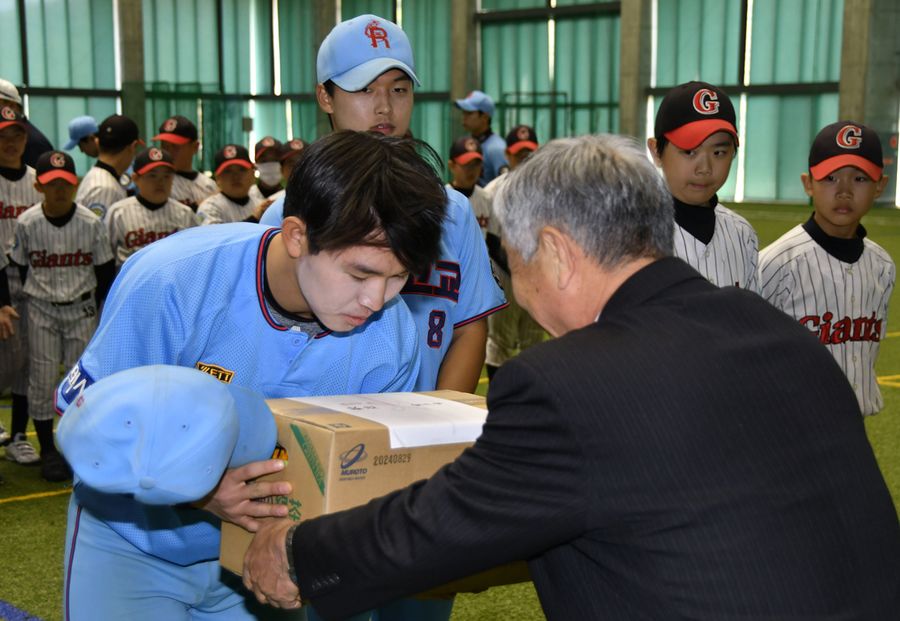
(80, 127)
(359, 50)
(164, 434)
(477, 101)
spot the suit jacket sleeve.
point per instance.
(515, 493)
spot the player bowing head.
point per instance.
(362, 212)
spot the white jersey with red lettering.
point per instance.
(730, 258)
(17, 194)
(845, 304)
(132, 225)
(62, 311)
(219, 209)
(60, 259)
(99, 189)
(193, 188)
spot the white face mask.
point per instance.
(269, 173)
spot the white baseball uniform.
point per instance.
(131, 225)
(839, 290)
(17, 194)
(480, 201)
(100, 188)
(512, 329)
(60, 291)
(731, 255)
(219, 209)
(192, 188)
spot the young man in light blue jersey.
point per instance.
(366, 73)
(311, 309)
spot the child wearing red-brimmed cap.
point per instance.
(152, 214)
(179, 138)
(825, 272)
(17, 193)
(695, 141)
(235, 175)
(65, 250)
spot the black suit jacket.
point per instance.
(694, 454)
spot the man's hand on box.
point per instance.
(267, 569)
(239, 496)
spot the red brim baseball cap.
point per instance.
(227, 163)
(692, 135)
(145, 169)
(5, 124)
(173, 138)
(826, 167)
(49, 176)
(467, 157)
(523, 144)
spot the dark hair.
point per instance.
(361, 188)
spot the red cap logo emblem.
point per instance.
(849, 137)
(170, 125)
(8, 113)
(376, 33)
(296, 144)
(268, 141)
(471, 145)
(229, 151)
(706, 101)
(58, 160)
(523, 134)
(155, 154)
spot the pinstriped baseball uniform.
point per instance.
(192, 192)
(729, 258)
(841, 300)
(59, 287)
(99, 189)
(219, 209)
(17, 194)
(131, 225)
(480, 201)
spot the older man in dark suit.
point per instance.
(678, 451)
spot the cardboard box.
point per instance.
(336, 460)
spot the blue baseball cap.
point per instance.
(359, 50)
(164, 434)
(80, 127)
(477, 101)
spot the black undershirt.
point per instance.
(844, 250)
(187, 174)
(13, 174)
(239, 201)
(467, 192)
(292, 319)
(61, 221)
(110, 170)
(698, 220)
(151, 206)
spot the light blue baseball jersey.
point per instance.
(460, 287)
(196, 299)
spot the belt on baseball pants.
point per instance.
(84, 298)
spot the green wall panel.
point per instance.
(70, 43)
(778, 147)
(796, 41)
(427, 26)
(506, 5)
(11, 59)
(180, 43)
(698, 40)
(298, 47)
(52, 115)
(382, 8)
(303, 119)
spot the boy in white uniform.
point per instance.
(825, 272)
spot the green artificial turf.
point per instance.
(32, 527)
